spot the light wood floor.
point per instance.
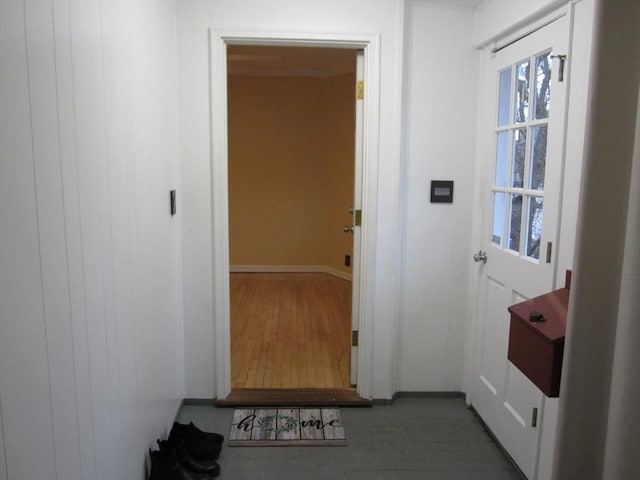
(290, 330)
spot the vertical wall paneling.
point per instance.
(90, 367)
(124, 391)
(75, 252)
(139, 151)
(92, 154)
(155, 88)
(51, 223)
(150, 89)
(168, 70)
(24, 377)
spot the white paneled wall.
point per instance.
(90, 310)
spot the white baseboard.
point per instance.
(290, 269)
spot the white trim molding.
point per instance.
(218, 39)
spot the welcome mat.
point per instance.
(286, 426)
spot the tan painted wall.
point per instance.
(290, 170)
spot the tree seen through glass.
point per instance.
(528, 152)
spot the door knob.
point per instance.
(480, 257)
(348, 229)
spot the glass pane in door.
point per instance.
(538, 157)
(497, 232)
(522, 92)
(502, 152)
(534, 227)
(504, 97)
(515, 219)
(543, 91)
(523, 102)
(519, 152)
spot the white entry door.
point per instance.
(523, 131)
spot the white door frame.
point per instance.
(218, 39)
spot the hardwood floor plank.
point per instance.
(290, 330)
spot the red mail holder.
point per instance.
(536, 338)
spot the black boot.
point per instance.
(190, 429)
(209, 467)
(165, 466)
(199, 444)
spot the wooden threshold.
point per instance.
(281, 397)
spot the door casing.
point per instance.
(218, 40)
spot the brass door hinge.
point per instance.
(561, 61)
(360, 90)
(354, 338)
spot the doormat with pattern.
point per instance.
(286, 426)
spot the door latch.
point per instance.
(480, 257)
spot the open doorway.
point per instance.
(291, 151)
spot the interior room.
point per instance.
(291, 114)
(487, 156)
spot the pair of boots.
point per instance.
(188, 454)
